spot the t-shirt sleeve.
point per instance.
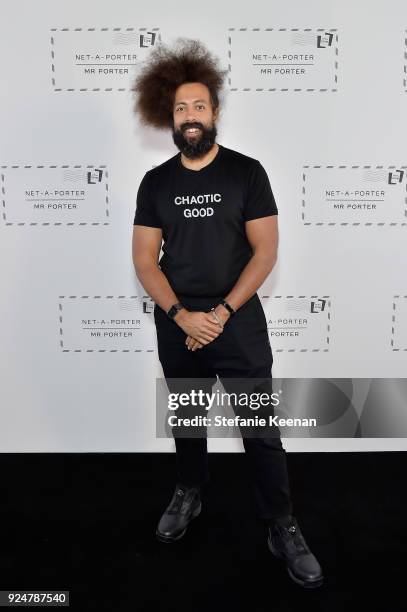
(260, 200)
(145, 209)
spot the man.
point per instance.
(215, 210)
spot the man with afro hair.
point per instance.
(215, 211)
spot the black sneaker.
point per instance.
(286, 542)
(184, 506)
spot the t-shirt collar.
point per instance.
(203, 170)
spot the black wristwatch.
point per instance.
(174, 309)
(227, 306)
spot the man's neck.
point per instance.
(201, 162)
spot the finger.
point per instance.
(216, 327)
(202, 338)
(205, 337)
(209, 334)
(191, 342)
(211, 322)
(197, 346)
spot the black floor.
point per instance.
(85, 523)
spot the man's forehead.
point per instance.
(192, 92)
(184, 100)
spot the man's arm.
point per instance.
(262, 235)
(146, 247)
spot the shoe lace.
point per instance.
(177, 501)
(294, 538)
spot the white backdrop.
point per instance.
(78, 347)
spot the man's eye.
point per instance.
(181, 108)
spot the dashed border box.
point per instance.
(244, 29)
(345, 223)
(47, 223)
(89, 30)
(328, 327)
(117, 297)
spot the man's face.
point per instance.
(193, 109)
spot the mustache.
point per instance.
(191, 125)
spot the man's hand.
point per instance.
(192, 343)
(198, 325)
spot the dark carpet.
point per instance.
(85, 523)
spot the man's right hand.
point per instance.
(198, 325)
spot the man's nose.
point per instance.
(191, 118)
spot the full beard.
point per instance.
(195, 146)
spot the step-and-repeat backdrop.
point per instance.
(315, 91)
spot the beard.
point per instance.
(194, 146)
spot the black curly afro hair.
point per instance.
(165, 70)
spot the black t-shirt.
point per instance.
(202, 215)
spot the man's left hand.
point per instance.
(223, 315)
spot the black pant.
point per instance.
(242, 350)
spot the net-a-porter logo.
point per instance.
(354, 195)
(283, 59)
(298, 323)
(106, 324)
(98, 59)
(55, 195)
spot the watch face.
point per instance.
(174, 309)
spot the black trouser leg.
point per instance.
(191, 450)
(180, 363)
(243, 340)
(267, 461)
(191, 442)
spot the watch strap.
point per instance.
(174, 309)
(227, 306)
